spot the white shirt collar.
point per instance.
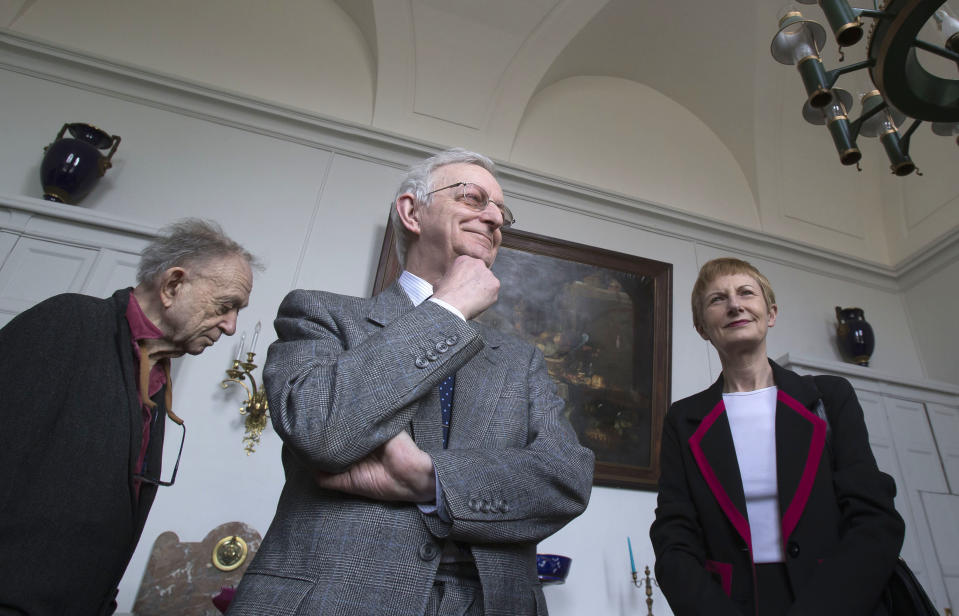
(416, 288)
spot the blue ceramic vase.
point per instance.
(72, 165)
(552, 568)
(855, 336)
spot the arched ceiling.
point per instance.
(702, 55)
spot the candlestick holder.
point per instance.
(255, 407)
(648, 583)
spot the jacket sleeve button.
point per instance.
(428, 551)
(421, 362)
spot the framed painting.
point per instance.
(602, 320)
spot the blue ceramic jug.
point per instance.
(71, 166)
(855, 336)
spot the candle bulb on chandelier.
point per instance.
(256, 334)
(948, 25)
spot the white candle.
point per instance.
(239, 351)
(256, 334)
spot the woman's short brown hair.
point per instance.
(725, 266)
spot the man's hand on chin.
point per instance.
(469, 286)
(397, 470)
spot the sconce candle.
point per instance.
(256, 334)
(239, 351)
(632, 563)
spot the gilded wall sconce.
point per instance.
(255, 407)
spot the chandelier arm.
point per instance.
(877, 14)
(904, 141)
(939, 51)
(856, 126)
(833, 76)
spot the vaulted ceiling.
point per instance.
(700, 54)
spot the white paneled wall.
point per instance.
(42, 254)
(945, 426)
(942, 511)
(881, 441)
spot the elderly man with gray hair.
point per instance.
(426, 454)
(86, 391)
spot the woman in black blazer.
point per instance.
(764, 507)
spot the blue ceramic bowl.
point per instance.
(552, 568)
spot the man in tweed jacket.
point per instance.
(379, 515)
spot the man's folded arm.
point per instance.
(334, 405)
(516, 494)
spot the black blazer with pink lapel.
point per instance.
(840, 530)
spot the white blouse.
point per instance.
(752, 420)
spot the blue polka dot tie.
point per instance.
(446, 404)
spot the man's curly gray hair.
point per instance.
(187, 241)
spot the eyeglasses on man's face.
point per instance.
(477, 199)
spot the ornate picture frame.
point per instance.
(603, 321)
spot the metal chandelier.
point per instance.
(900, 86)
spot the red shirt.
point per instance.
(141, 328)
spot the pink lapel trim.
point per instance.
(737, 519)
(801, 497)
(725, 573)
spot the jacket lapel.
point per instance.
(427, 423)
(800, 439)
(389, 305)
(712, 448)
(478, 386)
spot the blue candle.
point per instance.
(632, 563)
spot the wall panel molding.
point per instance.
(920, 390)
(938, 254)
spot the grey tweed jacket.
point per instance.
(346, 375)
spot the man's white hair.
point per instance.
(418, 182)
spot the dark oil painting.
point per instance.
(602, 321)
